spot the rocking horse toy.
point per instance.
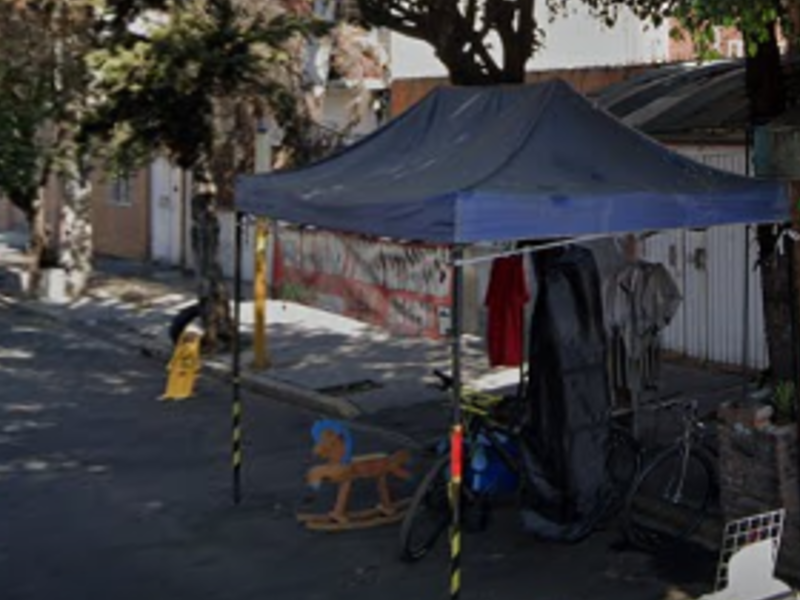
(333, 443)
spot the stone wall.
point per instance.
(759, 472)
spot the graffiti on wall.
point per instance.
(400, 287)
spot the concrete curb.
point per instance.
(262, 384)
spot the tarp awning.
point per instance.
(506, 163)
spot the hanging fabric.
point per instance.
(566, 433)
(505, 300)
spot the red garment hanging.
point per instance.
(506, 297)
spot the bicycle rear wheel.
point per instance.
(428, 514)
(669, 500)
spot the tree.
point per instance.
(25, 91)
(759, 22)
(191, 79)
(43, 83)
(464, 32)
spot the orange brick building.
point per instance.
(120, 214)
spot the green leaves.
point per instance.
(753, 18)
(43, 82)
(161, 89)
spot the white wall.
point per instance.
(572, 41)
(580, 40)
(412, 58)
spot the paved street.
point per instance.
(106, 493)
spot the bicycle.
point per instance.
(492, 427)
(672, 495)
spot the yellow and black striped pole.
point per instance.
(457, 431)
(236, 448)
(456, 470)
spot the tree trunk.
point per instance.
(211, 291)
(77, 247)
(766, 91)
(39, 251)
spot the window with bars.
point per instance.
(121, 190)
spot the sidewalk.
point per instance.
(319, 360)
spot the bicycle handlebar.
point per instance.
(446, 382)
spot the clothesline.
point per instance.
(557, 244)
(531, 249)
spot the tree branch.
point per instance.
(395, 15)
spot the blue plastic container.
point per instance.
(487, 473)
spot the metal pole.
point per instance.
(748, 169)
(746, 316)
(793, 320)
(261, 359)
(236, 447)
(457, 431)
(263, 164)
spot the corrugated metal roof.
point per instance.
(704, 103)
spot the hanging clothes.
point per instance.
(641, 300)
(505, 300)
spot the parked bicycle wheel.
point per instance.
(428, 514)
(623, 463)
(669, 500)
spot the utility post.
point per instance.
(263, 163)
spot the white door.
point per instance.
(166, 212)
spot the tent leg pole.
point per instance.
(236, 423)
(457, 432)
(794, 324)
(746, 316)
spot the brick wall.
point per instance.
(407, 92)
(119, 230)
(759, 473)
(10, 217)
(122, 229)
(729, 44)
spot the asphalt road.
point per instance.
(107, 493)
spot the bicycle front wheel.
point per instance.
(428, 514)
(623, 463)
(670, 498)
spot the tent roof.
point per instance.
(506, 163)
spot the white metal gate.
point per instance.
(166, 213)
(709, 267)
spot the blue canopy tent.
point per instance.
(495, 164)
(472, 165)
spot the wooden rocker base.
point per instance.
(361, 519)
